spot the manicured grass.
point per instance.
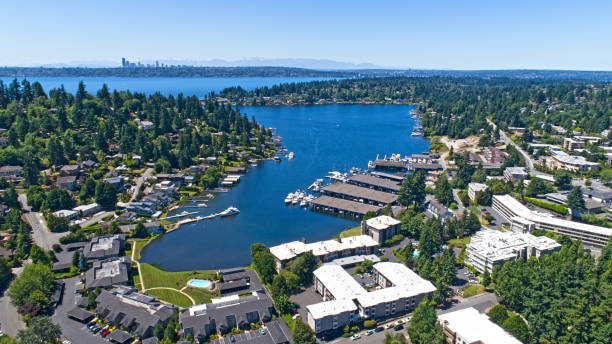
(288, 320)
(354, 231)
(140, 244)
(154, 277)
(199, 295)
(460, 242)
(472, 290)
(171, 296)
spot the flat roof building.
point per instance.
(380, 228)
(345, 300)
(474, 189)
(488, 248)
(103, 247)
(515, 174)
(571, 163)
(343, 206)
(108, 272)
(323, 251)
(468, 326)
(509, 207)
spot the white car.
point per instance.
(355, 336)
(389, 325)
(1, 333)
(369, 332)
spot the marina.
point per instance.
(317, 135)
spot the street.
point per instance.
(10, 321)
(42, 236)
(96, 218)
(139, 182)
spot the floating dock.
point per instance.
(380, 184)
(359, 194)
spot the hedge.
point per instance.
(550, 206)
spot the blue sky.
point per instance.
(450, 34)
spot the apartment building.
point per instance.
(468, 326)
(595, 236)
(380, 228)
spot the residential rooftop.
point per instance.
(292, 249)
(475, 327)
(382, 222)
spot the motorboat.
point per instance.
(229, 211)
(277, 159)
(290, 155)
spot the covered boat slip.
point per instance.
(359, 194)
(342, 206)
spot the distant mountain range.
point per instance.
(320, 64)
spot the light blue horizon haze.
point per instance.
(404, 34)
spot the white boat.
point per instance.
(229, 211)
(290, 155)
(289, 198)
(303, 203)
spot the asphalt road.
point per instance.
(41, 234)
(139, 182)
(96, 218)
(10, 322)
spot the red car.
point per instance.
(105, 333)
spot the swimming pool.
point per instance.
(200, 283)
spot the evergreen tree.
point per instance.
(302, 333)
(444, 191)
(575, 200)
(424, 327)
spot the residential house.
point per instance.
(67, 183)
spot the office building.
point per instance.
(595, 236)
(381, 228)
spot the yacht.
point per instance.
(289, 198)
(277, 159)
(290, 155)
(229, 211)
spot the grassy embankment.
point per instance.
(155, 277)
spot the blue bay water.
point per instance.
(323, 138)
(166, 86)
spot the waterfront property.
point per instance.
(376, 183)
(345, 300)
(510, 208)
(359, 194)
(324, 251)
(136, 312)
(342, 206)
(488, 248)
(224, 314)
(380, 228)
(103, 247)
(108, 272)
(468, 326)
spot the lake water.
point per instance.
(189, 86)
(323, 138)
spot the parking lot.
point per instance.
(73, 330)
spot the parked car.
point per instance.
(398, 327)
(1, 333)
(389, 325)
(232, 339)
(355, 336)
(262, 331)
(399, 322)
(105, 333)
(369, 332)
(379, 329)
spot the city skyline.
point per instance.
(440, 35)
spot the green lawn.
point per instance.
(199, 295)
(171, 296)
(460, 242)
(354, 231)
(140, 244)
(288, 320)
(472, 290)
(154, 277)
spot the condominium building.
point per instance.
(571, 163)
(324, 251)
(380, 228)
(468, 326)
(572, 144)
(474, 189)
(510, 208)
(488, 248)
(515, 174)
(399, 291)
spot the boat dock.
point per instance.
(183, 214)
(178, 224)
(359, 194)
(342, 206)
(380, 184)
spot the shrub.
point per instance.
(546, 205)
(369, 323)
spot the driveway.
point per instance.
(73, 330)
(41, 234)
(140, 181)
(10, 321)
(96, 218)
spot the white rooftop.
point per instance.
(85, 207)
(338, 282)
(477, 186)
(382, 222)
(497, 245)
(520, 210)
(64, 213)
(109, 269)
(475, 327)
(103, 243)
(573, 160)
(332, 307)
(292, 249)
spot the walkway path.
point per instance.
(138, 266)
